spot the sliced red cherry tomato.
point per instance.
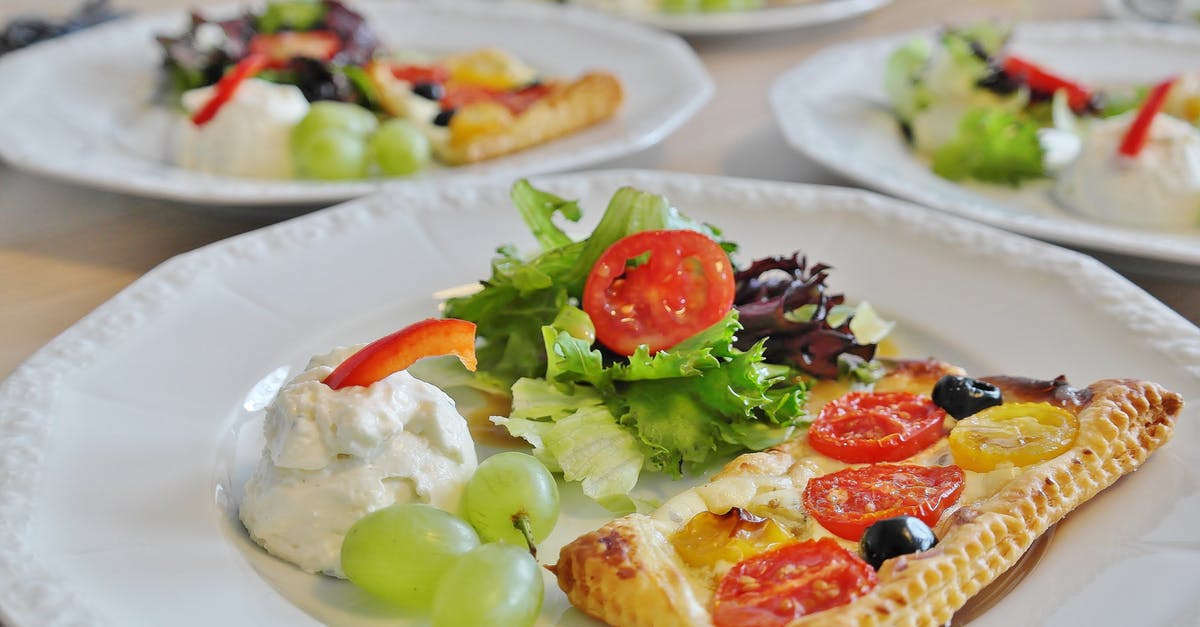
(777, 587)
(850, 500)
(420, 73)
(1135, 138)
(866, 427)
(459, 95)
(518, 100)
(227, 86)
(287, 45)
(395, 352)
(657, 288)
(1041, 80)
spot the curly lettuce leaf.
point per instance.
(992, 145)
(588, 446)
(903, 78)
(523, 295)
(686, 407)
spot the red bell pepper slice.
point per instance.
(420, 73)
(1041, 80)
(285, 46)
(227, 86)
(395, 352)
(1135, 138)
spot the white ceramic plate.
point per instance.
(124, 443)
(1181, 11)
(770, 18)
(841, 119)
(92, 120)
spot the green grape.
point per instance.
(399, 148)
(326, 114)
(512, 498)
(331, 154)
(400, 553)
(496, 584)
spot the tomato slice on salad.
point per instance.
(284, 46)
(658, 288)
(395, 352)
(867, 427)
(850, 500)
(798, 579)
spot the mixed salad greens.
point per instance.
(980, 112)
(329, 44)
(599, 416)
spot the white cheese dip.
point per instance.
(250, 135)
(1160, 188)
(333, 456)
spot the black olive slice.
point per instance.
(963, 396)
(891, 537)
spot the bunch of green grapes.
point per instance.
(339, 140)
(422, 558)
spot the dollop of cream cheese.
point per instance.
(333, 456)
(250, 135)
(1160, 188)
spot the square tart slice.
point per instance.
(636, 570)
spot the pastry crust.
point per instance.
(628, 573)
(569, 107)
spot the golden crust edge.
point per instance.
(629, 556)
(575, 105)
(1120, 426)
(1124, 422)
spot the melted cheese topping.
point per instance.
(779, 496)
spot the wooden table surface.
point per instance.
(65, 249)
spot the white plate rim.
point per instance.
(772, 18)
(803, 130)
(1120, 9)
(204, 189)
(30, 595)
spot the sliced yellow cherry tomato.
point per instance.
(1016, 433)
(731, 537)
(480, 118)
(490, 67)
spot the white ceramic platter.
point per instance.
(124, 443)
(841, 119)
(93, 119)
(779, 16)
(1181, 11)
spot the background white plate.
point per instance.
(81, 108)
(1181, 11)
(832, 107)
(771, 18)
(125, 441)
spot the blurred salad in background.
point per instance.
(977, 111)
(305, 88)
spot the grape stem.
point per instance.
(521, 522)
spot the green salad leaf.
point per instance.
(601, 418)
(992, 145)
(523, 295)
